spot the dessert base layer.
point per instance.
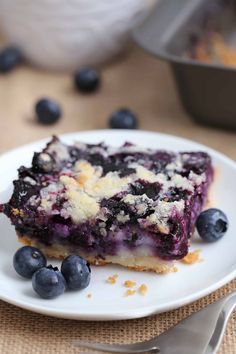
(136, 260)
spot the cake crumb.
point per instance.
(17, 212)
(129, 283)
(174, 269)
(192, 257)
(112, 279)
(89, 296)
(143, 289)
(130, 292)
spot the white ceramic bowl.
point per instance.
(68, 34)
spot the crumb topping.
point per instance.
(179, 181)
(80, 206)
(197, 179)
(122, 217)
(30, 180)
(81, 186)
(144, 174)
(58, 149)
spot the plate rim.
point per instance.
(142, 311)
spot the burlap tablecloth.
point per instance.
(135, 80)
(25, 332)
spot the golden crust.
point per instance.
(142, 263)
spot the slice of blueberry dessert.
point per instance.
(130, 206)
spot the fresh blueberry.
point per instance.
(87, 80)
(9, 58)
(47, 111)
(76, 271)
(123, 119)
(48, 282)
(212, 224)
(43, 162)
(27, 260)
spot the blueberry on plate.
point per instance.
(123, 119)
(48, 282)
(27, 260)
(212, 224)
(87, 80)
(9, 58)
(43, 162)
(76, 271)
(47, 111)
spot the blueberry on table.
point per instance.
(123, 119)
(27, 260)
(76, 271)
(87, 80)
(9, 58)
(47, 111)
(212, 224)
(48, 282)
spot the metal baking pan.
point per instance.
(207, 90)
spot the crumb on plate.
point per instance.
(143, 289)
(112, 279)
(174, 269)
(129, 283)
(130, 292)
(192, 257)
(89, 296)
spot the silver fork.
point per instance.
(200, 333)
(143, 347)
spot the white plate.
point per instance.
(165, 292)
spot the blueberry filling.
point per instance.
(176, 194)
(150, 189)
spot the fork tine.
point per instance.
(145, 347)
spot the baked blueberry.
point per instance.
(48, 282)
(123, 119)
(212, 224)
(47, 111)
(87, 80)
(76, 271)
(43, 162)
(150, 189)
(9, 58)
(27, 260)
